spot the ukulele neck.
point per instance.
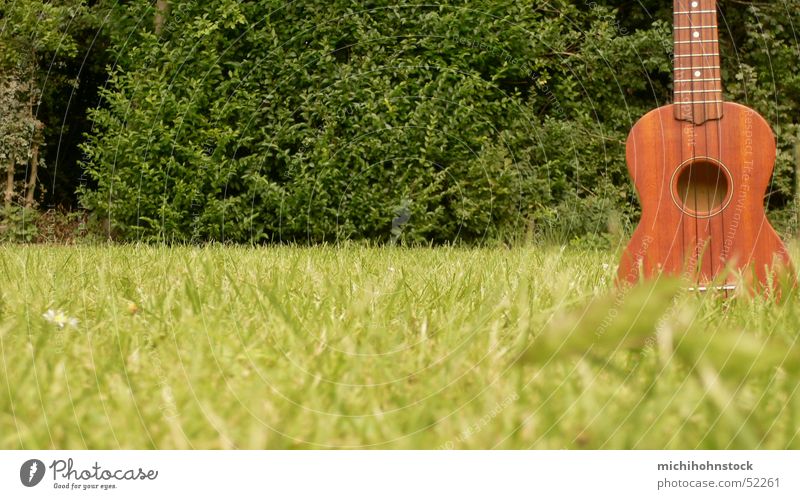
(697, 82)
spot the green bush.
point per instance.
(325, 120)
(19, 224)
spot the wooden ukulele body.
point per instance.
(702, 189)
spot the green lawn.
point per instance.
(383, 348)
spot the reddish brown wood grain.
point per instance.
(703, 249)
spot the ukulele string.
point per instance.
(677, 98)
(714, 263)
(696, 250)
(708, 238)
(719, 195)
(684, 257)
(720, 260)
(704, 226)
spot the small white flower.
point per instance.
(59, 318)
(606, 266)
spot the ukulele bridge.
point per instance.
(703, 289)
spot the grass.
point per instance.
(358, 347)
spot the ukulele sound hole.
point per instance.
(702, 188)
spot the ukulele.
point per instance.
(701, 168)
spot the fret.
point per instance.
(695, 27)
(710, 54)
(695, 75)
(695, 12)
(696, 67)
(700, 101)
(699, 41)
(697, 91)
(697, 79)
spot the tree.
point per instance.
(162, 9)
(32, 32)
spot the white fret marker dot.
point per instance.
(697, 73)
(696, 34)
(694, 5)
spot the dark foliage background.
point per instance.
(312, 121)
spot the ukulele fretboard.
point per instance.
(698, 87)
